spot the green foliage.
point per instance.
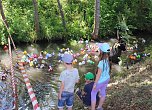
(148, 49)
(79, 18)
(3, 39)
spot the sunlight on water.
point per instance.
(60, 67)
(5, 60)
(33, 49)
(44, 83)
(35, 74)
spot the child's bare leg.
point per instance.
(102, 99)
(69, 108)
(93, 105)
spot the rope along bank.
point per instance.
(26, 79)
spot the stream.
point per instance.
(45, 83)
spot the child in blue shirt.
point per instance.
(85, 94)
(102, 76)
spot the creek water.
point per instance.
(45, 84)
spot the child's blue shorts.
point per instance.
(66, 98)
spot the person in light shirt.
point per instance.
(69, 77)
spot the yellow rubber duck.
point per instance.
(74, 62)
(31, 63)
(63, 48)
(45, 52)
(25, 52)
(82, 52)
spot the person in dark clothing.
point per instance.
(85, 94)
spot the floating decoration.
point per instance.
(74, 61)
(138, 56)
(81, 63)
(146, 55)
(5, 48)
(67, 49)
(4, 76)
(77, 54)
(50, 69)
(45, 52)
(60, 57)
(48, 55)
(35, 55)
(87, 47)
(43, 61)
(82, 52)
(74, 55)
(42, 66)
(35, 61)
(40, 57)
(31, 63)
(30, 59)
(130, 48)
(25, 52)
(132, 57)
(90, 62)
(62, 50)
(71, 51)
(86, 41)
(53, 53)
(96, 57)
(85, 57)
(80, 41)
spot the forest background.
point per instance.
(36, 20)
(65, 20)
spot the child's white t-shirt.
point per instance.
(69, 78)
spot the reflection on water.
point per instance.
(44, 83)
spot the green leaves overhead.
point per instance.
(79, 18)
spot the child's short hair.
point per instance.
(69, 63)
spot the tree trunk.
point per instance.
(96, 19)
(36, 18)
(14, 86)
(2, 14)
(118, 37)
(62, 15)
(84, 14)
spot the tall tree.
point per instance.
(10, 55)
(36, 18)
(2, 14)
(96, 19)
(62, 15)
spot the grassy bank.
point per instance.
(132, 92)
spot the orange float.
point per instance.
(132, 57)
